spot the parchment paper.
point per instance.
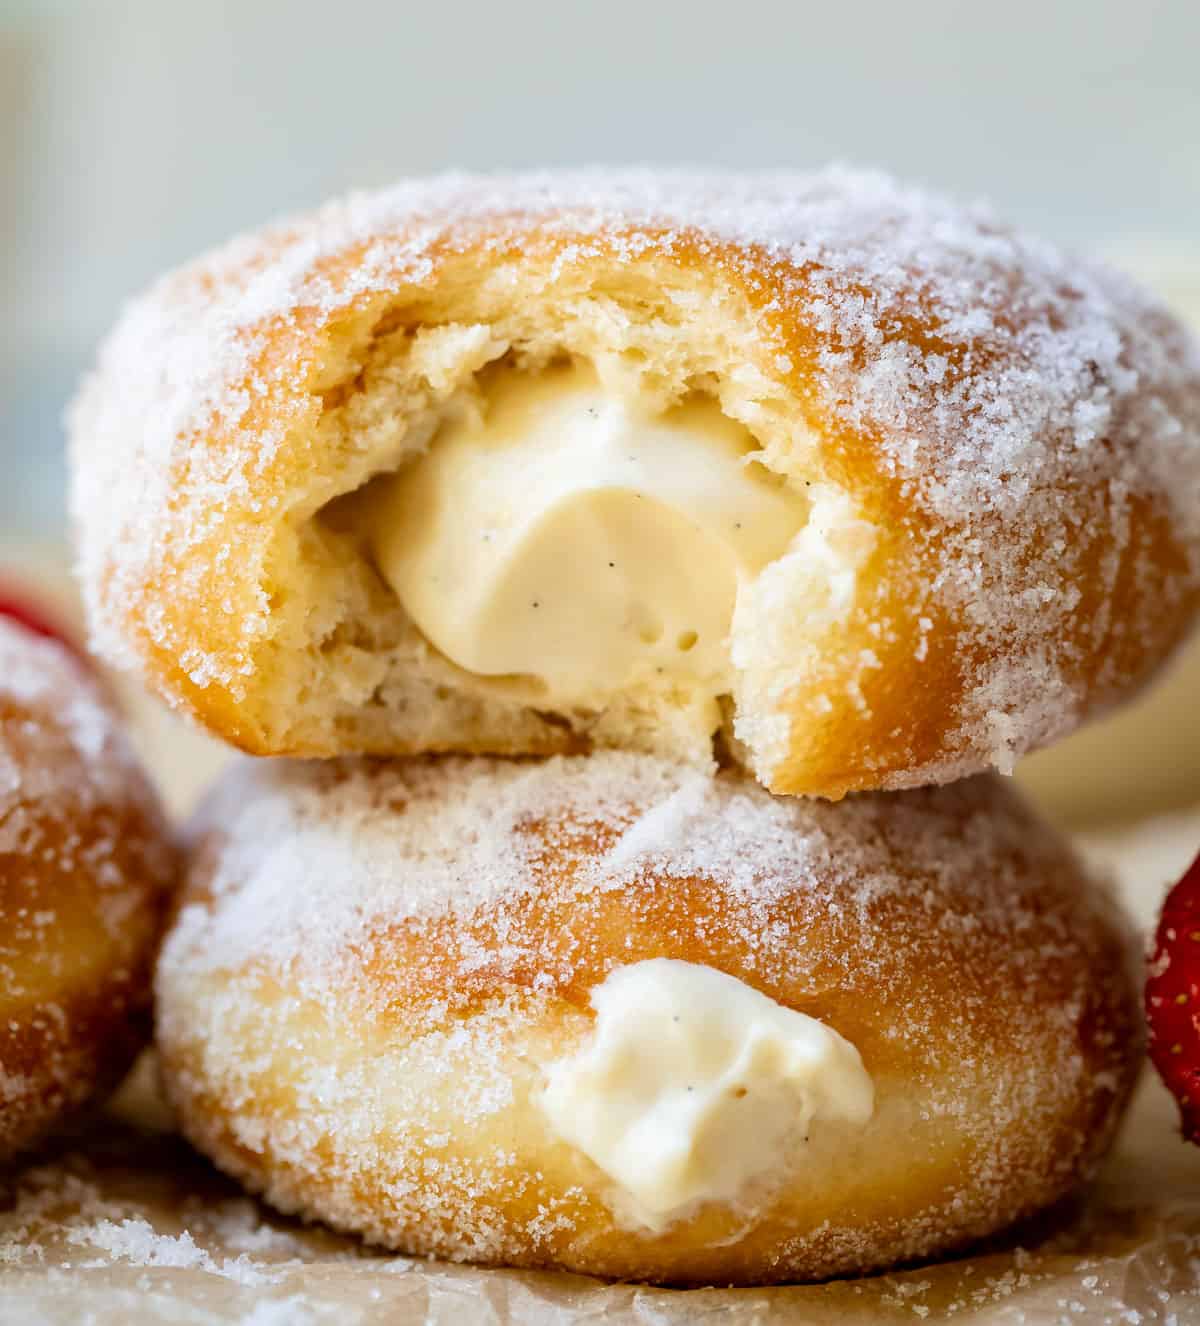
(130, 1226)
(125, 1224)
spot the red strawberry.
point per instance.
(1173, 998)
(19, 608)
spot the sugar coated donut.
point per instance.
(616, 1015)
(436, 469)
(85, 864)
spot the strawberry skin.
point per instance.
(16, 607)
(1173, 998)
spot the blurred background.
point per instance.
(136, 132)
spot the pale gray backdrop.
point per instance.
(134, 132)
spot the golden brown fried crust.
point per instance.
(985, 980)
(1082, 582)
(86, 862)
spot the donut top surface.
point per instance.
(59, 740)
(306, 862)
(957, 340)
(79, 824)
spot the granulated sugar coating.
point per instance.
(1000, 446)
(312, 856)
(85, 864)
(41, 681)
(374, 964)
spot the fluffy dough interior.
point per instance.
(398, 389)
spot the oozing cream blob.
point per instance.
(693, 1084)
(562, 530)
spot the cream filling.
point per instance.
(561, 528)
(693, 1085)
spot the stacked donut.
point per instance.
(643, 574)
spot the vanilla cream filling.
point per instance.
(560, 527)
(692, 1085)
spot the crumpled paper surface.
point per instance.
(124, 1224)
(130, 1226)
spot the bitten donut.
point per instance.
(616, 1015)
(85, 865)
(864, 487)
